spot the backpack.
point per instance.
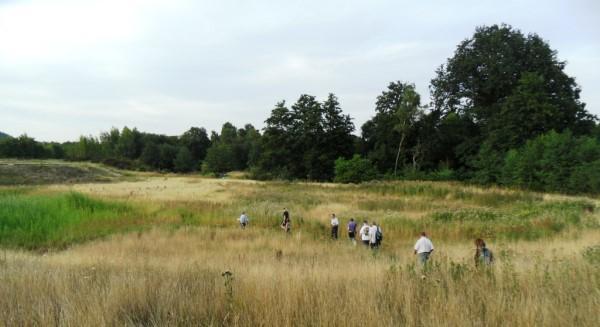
(378, 236)
(488, 256)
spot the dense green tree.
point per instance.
(233, 149)
(23, 147)
(184, 161)
(219, 159)
(110, 142)
(338, 140)
(130, 143)
(276, 143)
(511, 86)
(249, 146)
(167, 154)
(197, 141)
(151, 155)
(391, 135)
(87, 148)
(306, 161)
(304, 141)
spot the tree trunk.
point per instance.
(398, 154)
(416, 153)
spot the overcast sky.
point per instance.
(69, 68)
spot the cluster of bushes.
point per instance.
(26, 147)
(554, 162)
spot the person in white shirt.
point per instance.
(423, 248)
(243, 220)
(364, 233)
(335, 224)
(373, 241)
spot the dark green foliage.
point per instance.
(184, 161)
(151, 155)
(197, 142)
(511, 87)
(166, 156)
(219, 159)
(355, 170)
(130, 143)
(233, 149)
(391, 137)
(23, 147)
(303, 142)
(556, 162)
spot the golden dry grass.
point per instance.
(173, 276)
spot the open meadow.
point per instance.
(152, 251)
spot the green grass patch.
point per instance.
(34, 221)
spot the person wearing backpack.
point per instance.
(243, 220)
(378, 236)
(374, 230)
(364, 234)
(482, 254)
(335, 225)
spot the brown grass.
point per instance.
(173, 276)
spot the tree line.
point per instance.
(502, 111)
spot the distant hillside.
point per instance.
(3, 135)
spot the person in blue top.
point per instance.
(352, 230)
(483, 256)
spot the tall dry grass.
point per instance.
(164, 278)
(173, 274)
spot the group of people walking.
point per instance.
(371, 236)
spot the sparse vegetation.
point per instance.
(39, 172)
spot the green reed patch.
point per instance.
(521, 221)
(34, 221)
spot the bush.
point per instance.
(555, 162)
(184, 162)
(355, 170)
(120, 163)
(592, 254)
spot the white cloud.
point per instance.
(72, 67)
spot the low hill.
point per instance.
(4, 135)
(36, 172)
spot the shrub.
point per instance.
(355, 170)
(555, 162)
(184, 162)
(592, 254)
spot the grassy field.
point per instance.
(152, 251)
